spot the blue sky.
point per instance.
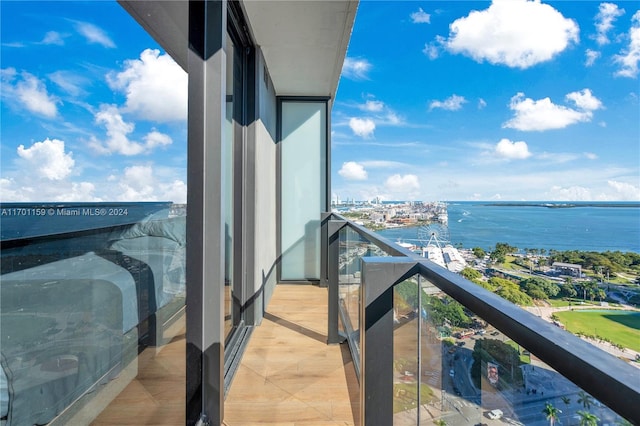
(452, 100)
(510, 100)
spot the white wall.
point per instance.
(265, 277)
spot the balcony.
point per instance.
(431, 347)
(288, 374)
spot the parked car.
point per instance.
(495, 414)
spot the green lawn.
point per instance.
(558, 303)
(619, 327)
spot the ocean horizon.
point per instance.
(548, 225)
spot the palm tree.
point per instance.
(585, 399)
(588, 419)
(551, 412)
(566, 400)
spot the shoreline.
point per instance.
(562, 205)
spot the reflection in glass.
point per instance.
(78, 308)
(406, 366)
(470, 373)
(228, 190)
(352, 248)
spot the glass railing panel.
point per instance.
(92, 294)
(479, 375)
(406, 354)
(78, 309)
(353, 247)
(349, 286)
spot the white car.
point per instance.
(495, 414)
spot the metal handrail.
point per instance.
(381, 242)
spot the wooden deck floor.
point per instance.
(288, 375)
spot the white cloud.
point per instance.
(629, 58)
(572, 193)
(139, 183)
(607, 14)
(512, 150)
(591, 55)
(9, 191)
(584, 100)
(591, 155)
(558, 157)
(515, 33)
(363, 127)
(542, 114)
(69, 82)
(432, 50)
(175, 191)
(381, 114)
(481, 103)
(625, 191)
(353, 171)
(155, 86)
(420, 17)
(51, 179)
(117, 131)
(614, 191)
(78, 191)
(452, 103)
(29, 92)
(47, 159)
(383, 164)
(53, 37)
(356, 69)
(94, 34)
(403, 186)
(155, 139)
(372, 106)
(30, 190)
(42, 172)
(117, 135)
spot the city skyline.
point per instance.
(503, 100)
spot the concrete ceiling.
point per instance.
(304, 42)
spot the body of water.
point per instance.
(580, 226)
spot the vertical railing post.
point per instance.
(379, 275)
(324, 248)
(333, 277)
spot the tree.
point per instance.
(440, 422)
(588, 288)
(551, 412)
(585, 399)
(588, 419)
(567, 289)
(566, 400)
(478, 252)
(471, 274)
